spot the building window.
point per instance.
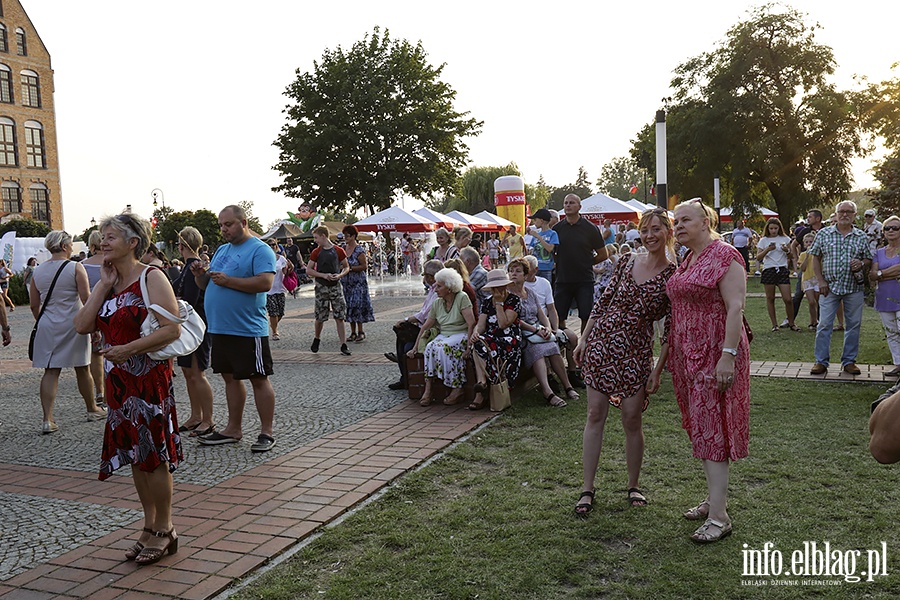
(21, 48)
(4, 45)
(40, 203)
(7, 142)
(31, 89)
(6, 86)
(34, 144)
(12, 197)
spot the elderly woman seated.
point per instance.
(445, 355)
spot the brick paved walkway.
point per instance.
(230, 529)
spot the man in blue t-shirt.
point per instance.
(543, 242)
(236, 281)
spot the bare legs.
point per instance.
(50, 387)
(717, 486)
(598, 411)
(236, 398)
(788, 304)
(341, 331)
(201, 397)
(155, 493)
(273, 323)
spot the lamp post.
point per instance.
(93, 222)
(157, 194)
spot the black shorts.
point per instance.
(776, 276)
(582, 294)
(202, 354)
(241, 357)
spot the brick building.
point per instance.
(29, 164)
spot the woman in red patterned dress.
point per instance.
(616, 354)
(141, 428)
(709, 358)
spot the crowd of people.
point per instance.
(668, 285)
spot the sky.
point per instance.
(186, 96)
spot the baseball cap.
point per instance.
(542, 213)
(870, 212)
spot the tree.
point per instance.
(887, 198)
(477, 188)
(252, 221)
(537, 195)
(160, 213)
(760, 111)
(206, 222)
(25, 228)
(581, 187)
(369, 124)
(619, 175)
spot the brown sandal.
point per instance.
(137, 547)
(148, 556)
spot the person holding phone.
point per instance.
(772, 252)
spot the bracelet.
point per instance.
(731, 351)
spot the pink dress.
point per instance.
(718, 423)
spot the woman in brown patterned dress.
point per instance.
(616, 352)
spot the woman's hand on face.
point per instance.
(108, 274)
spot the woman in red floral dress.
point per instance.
(616, 352)
(141, 427)
(709, 358)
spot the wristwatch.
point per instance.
(878, 274)
(731, 351)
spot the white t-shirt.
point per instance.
(542, 290)
(278, 282)
(631, 235)
(776, 257)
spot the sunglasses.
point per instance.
(892, 228)
(659, 210)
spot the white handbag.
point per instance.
(192, 326)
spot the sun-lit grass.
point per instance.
(492, 518)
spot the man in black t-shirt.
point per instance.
(580, 247)
(292, 252)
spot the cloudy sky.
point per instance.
(186, 96)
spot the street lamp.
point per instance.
(158, 194)
(93, 223)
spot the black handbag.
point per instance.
(43, 307)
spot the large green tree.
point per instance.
(760, 111)
(477, 188)
(206, 222)
(369, 123)
(619, 175)
(581, 187)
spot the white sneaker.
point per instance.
(784, 324)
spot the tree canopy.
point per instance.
(619, 175)
(25, 228)
(370, 123)
(206, 222)
(759, 111)
(581, 187)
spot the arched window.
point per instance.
(34, 145)
(21, 48)
(6, 87)
(12, 197)
(4, 44)
(31, 89)
(40, 202)
(8, 142)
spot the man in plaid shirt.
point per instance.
(840, 254)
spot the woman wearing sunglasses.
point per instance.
(885, 273)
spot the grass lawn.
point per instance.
(493, 517)
(787, 345)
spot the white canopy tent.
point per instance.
(598, 207)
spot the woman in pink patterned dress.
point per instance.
(141, 425)
(616, 352)
(709, 358)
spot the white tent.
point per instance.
(598, 207)
(396, 219)
(504, 223)
(474, 223)
(725, 213)
(439, 218)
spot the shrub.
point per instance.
(17, 291)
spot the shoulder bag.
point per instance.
(192, 326)
(43, 308)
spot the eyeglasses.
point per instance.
(891, 228)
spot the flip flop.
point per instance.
(264, 443)
(217, 439)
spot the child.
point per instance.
(808, 282)
(326, 265)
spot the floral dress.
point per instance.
(356, 291)
(718, 423)
(500, 345)
(444, 354)
(619, 348)
(141, 425)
